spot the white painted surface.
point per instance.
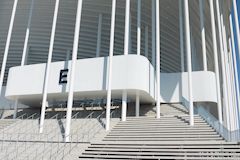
(132, 73)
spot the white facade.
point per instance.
(159, 51)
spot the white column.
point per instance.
(235, 9)
(181, 34)
(109, 89)
(137, 107)
(202, 27)
(124, 105)
(146, 42)
(234, 63)
(5, 56)
(99, 35)
(25, 48)
(15, 109)
(225, 101)
(45, 88)
(126, 51)
(233, 91)
(158, 57)
(139, 6)
(72, 71)
(214, 39)
(225, 52)
(189, 61)
(139, 27)
(153, 33)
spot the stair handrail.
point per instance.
(231, 136)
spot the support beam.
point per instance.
(109, 89)
(99, 35)
(181, 34)
(202, 27)
(189, 61)
(45, 87)
(235, 9)
(72, 71)
(139, 6)
(5, 56)
(214, 39)
(153, 33)
(158, 57)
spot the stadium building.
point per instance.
(119, 79)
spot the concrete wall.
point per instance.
(132, 73)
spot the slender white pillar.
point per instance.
(181, 34)
(202, 27)
(109, 89)
(124, 105)
(225, 97)
(126, 51)
(137, 107)
(158, 57)
(139, 27)
(45, 88)
(25, 48)
(234, 64)
(235, 9)
(5, 56)
(228, 92)
(72, 71)
(189, 61)
(233, 91)
(153, 33)
(146, 42)
(214, 39)
(127, 28)
(99, 35)
(15, 109)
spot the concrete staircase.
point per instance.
(170, 137)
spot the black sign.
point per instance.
(63, 76)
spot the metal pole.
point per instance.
(126, 51)
(45, 88)
(189, 61)
(222, 65)
(233, 87)
(235, 9)
(138, 48)
(202, 27)
(72, 71)
(225, 51)
(109, 89)
(214, 39)
(25, 48)
(139, 27)
(153, 33)
(158, 57)
(98, 48)
(5, 56)
(181, 34)
(235, 63)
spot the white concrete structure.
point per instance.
(138, 51)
